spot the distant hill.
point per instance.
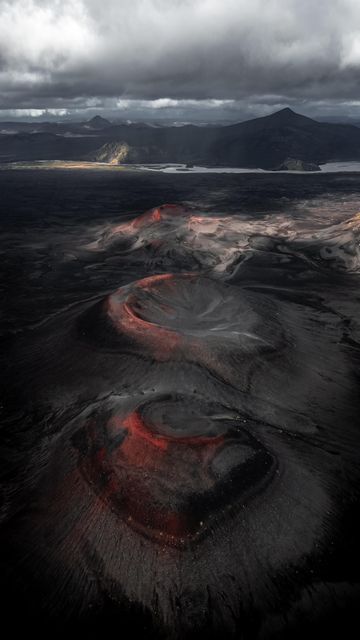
(266, 142)
(273, 139)
(98, 123)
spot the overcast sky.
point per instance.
(183, 59)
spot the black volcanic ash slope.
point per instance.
(184, 447)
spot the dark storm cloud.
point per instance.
(74, 54)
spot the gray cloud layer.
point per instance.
(87, 53)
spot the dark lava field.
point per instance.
(180, 437)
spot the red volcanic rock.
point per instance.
(186, 316)
(159, 214)
(164, 465)
(174, 236)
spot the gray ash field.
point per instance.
(180, 439)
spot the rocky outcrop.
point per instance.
(111, 153)
(291, 164)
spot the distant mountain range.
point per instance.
(269, 142)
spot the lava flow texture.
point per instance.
(185, 453)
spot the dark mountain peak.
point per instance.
(288, 115)
(287, 111)
(97, 122)
(284, 118)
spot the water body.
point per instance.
(330, 167)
